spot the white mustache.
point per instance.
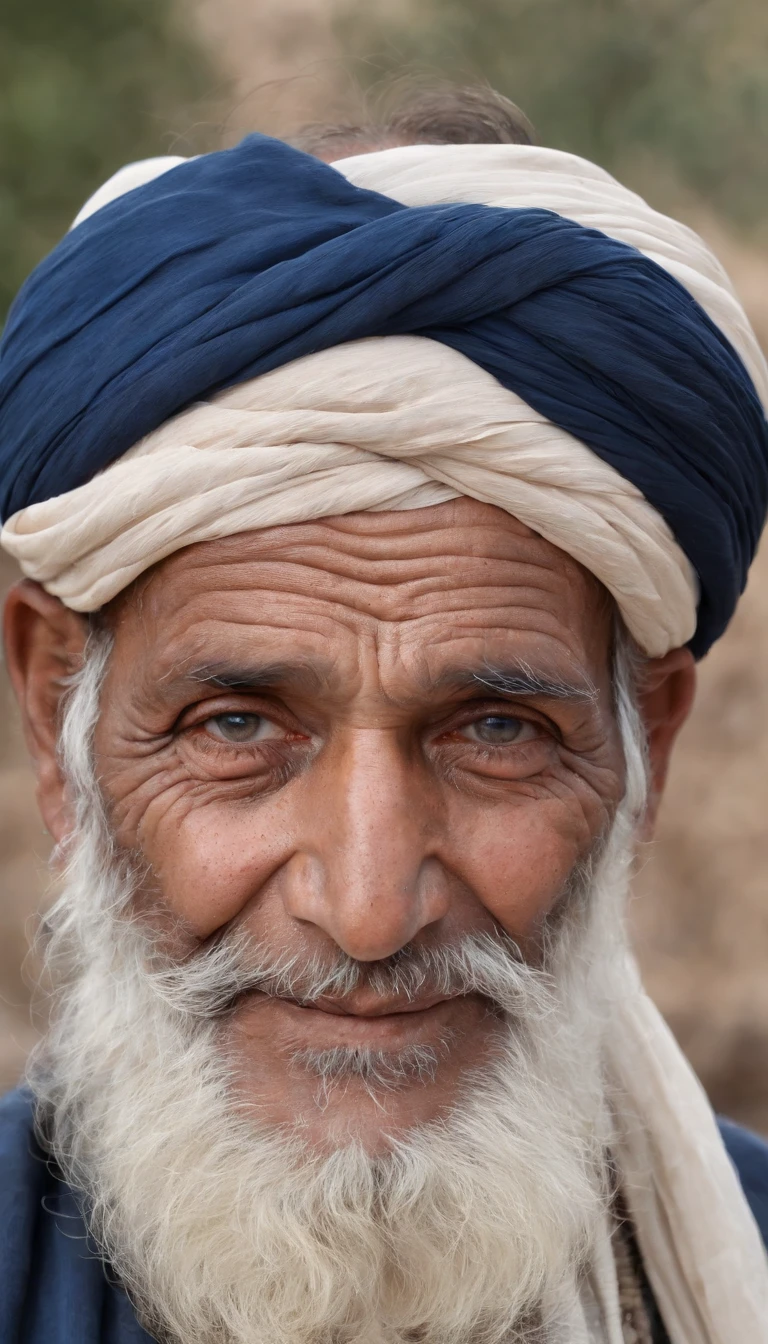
(491, 965)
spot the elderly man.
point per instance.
(374, 504)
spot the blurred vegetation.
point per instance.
(87, 85)
(676, 89)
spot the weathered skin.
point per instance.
(362, 806)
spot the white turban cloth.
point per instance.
(395, 422)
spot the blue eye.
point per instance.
(499, 730)
(237, 728)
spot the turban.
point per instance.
(254, 337)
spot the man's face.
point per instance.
(360, 734)
(347, 777)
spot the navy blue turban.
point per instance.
(237, 262)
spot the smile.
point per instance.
(379, 1024)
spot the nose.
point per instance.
(366, 871)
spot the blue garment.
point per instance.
(237, 262)
(55, 1290)
(53, 1285)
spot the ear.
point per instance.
(44, 644)
(665, 696)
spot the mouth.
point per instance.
(367, 1022)
(370, 1008)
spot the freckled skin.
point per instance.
(360, 807)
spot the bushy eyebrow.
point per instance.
(525, 681)
(518, 680)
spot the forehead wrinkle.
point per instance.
(193, 657)
(424, 570)
(373, 534)
(521, 608)
(370, 552)
(278, 569)
(478, 608)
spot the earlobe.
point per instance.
(665, 697)
(44, 644)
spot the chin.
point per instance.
(341, 1081)
(376, 1122)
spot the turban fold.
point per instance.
(608, 386)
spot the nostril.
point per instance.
(371, 920)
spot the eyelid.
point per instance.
(526, 731)
(233, 702)
(502, 709)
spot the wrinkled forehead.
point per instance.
(458, 573)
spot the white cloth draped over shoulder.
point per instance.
(399, 423)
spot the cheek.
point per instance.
(517, 859)
(212, 858)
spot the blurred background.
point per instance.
(672, 97)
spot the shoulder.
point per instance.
(749, 1154)
(22, 1172)
(22, 1183)
(54, 1286)
(16, 1120)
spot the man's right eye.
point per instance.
(246, 729)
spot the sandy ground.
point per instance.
(701, 910)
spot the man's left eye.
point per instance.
(499, 730)
(238, 728)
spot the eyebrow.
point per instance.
(518, 680)
(232, 677)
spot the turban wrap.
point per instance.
(255, 337)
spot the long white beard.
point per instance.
(475, 1228)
